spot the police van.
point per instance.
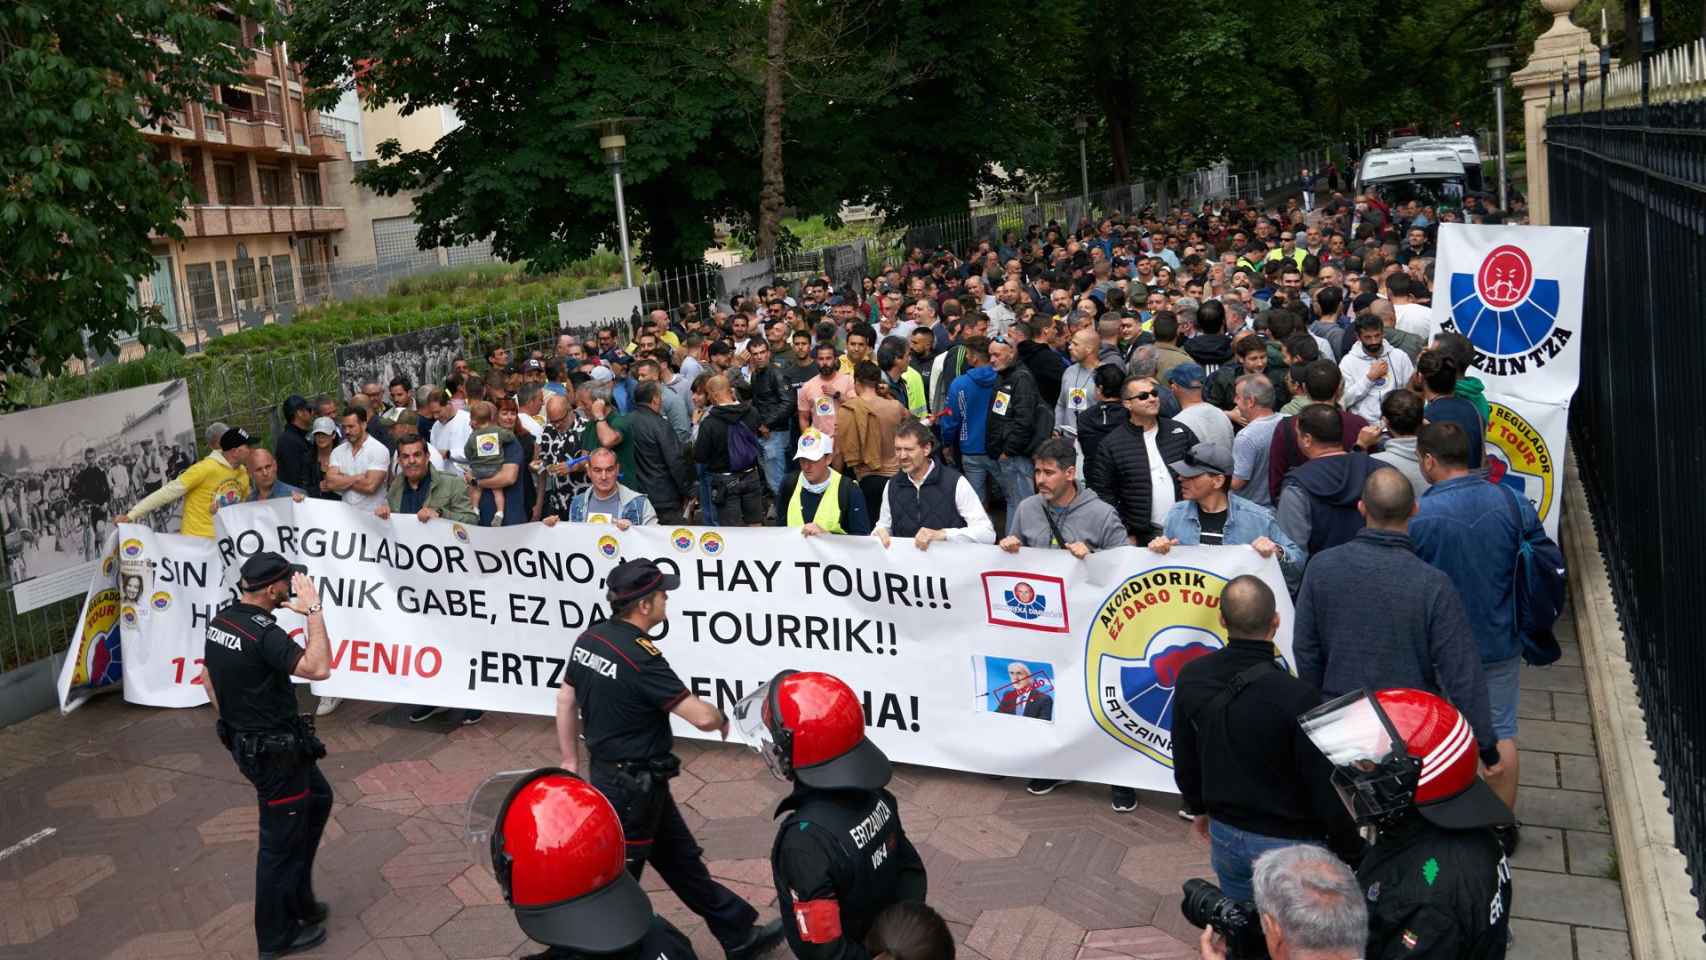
(1433, 175)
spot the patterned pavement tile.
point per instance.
(479, 932)
(411, 913)
(1025, 933)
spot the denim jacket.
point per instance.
(1245, 522)
(636, 507)
(1465, 528)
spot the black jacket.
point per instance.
(1248, 763)
(1459, 908)
(1046, 366)
(1094, 424)
(1120, 472)
(711, 449)
(1209, 349)
(297, 463)
(660, 465)
(772, 398)
(841, 851)
(1020, 425)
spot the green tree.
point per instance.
(83, 191)
(911, 111)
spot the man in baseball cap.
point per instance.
(816, 498)
(217, 480)
(1210, 514)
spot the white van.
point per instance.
(1431, 175)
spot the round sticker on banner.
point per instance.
(1503, 308)
(825, 407)
(711, 544)
(608, 546)
(107, 565)
(1518, 458)
(129, 615)
(160, 601)
(131, 549)
(682, 540)
(1141, 637)
(460, 532)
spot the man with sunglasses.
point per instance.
(1129, 469)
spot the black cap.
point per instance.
(532, 364)
(234, 438)
(265, 569)
(637, 579)
(293, 403)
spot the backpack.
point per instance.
(743, 447)
(1538, 589)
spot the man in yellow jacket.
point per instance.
(217, 480)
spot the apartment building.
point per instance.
(258, 234)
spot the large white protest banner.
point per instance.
(1516, 293)
(1034, 664)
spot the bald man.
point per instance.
(264, 483)
(1246, 772)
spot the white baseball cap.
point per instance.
(814, 445)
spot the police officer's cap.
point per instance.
(265, 569)
(637, 579)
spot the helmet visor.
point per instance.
(754, 731)
(1372, 771)
(485, 805)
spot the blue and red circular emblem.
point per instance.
(1503, 308)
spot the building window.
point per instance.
(248, 288)
(197, 174)
(310, 180)
(211, 119)
(222, 286)
(284, 283)
(225, 182)
(275, 100)
(272, 186)
(203, 302)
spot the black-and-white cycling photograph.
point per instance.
(68, 469)
(424, 356)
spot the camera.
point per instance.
(1236, 921)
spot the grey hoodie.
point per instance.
(1401, 453)
(1086, 519)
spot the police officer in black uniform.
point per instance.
(624, 689)
(1436, 877)
(841, 856)
(557, 853)
(248, 663)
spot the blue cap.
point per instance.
(1188, 375)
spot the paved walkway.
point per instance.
(153, 854)
(1564, 876)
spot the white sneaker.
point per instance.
(327, 705)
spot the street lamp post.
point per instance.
(1498, 65)
(613, 144)
(1083, 126)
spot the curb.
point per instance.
(1663, 923)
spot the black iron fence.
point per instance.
(1627, 158)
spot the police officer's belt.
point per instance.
(297, 740)
(665, 767)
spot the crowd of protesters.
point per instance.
(1229, 376)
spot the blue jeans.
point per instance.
(775, 459)
(706, 507)
(1502, 695)
(1233, 855)
(1017, 482)
(977, 470)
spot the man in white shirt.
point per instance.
(531, 400)
(1413, 318)
(359, 464)
(915, 503)
(450, 430)
(1372, 369)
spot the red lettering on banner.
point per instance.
(391, 659)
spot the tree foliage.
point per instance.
(79, 79)
(910, 111)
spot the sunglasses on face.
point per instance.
(1145, 395)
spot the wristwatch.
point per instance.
(314, 609)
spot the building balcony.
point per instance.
(260, 64)
(219, 220)
(254, 128)
(327, 141)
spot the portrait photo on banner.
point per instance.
(1015, 688)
